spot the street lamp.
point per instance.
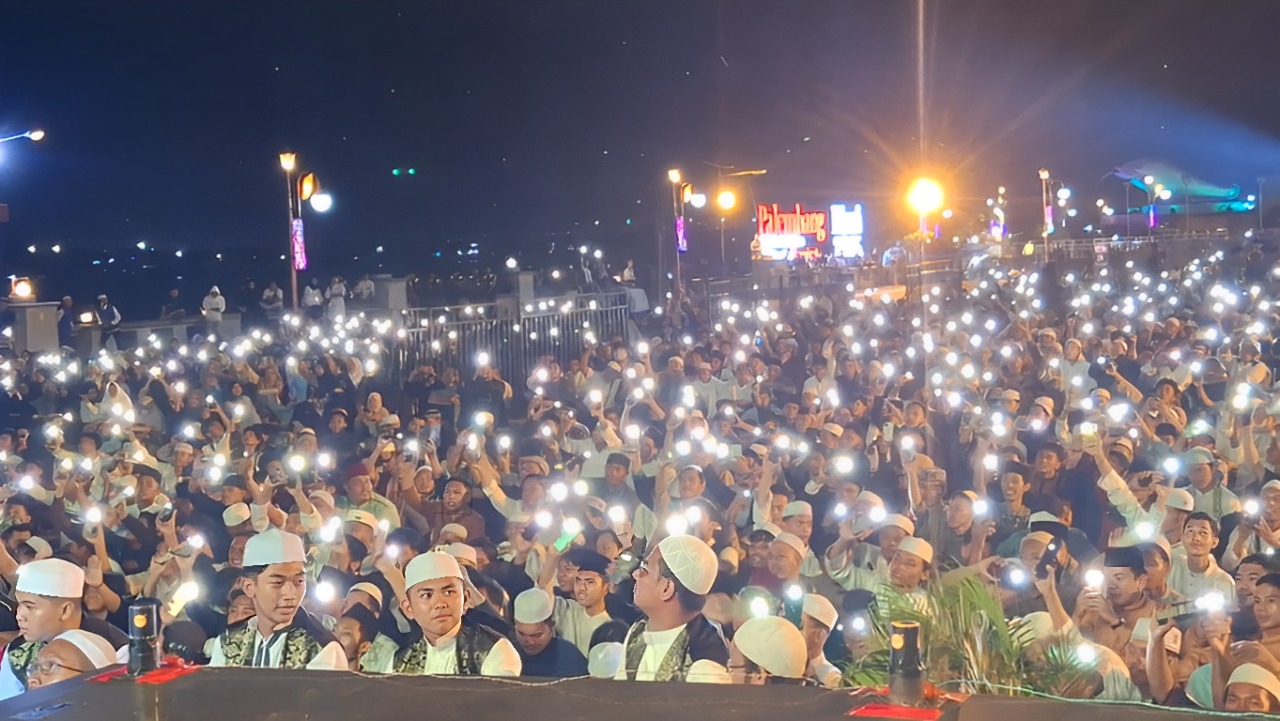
(32, 135)
(321, 202)
(289, 163)
(677, 209)
(726, 200)
(924, 197)
(1261, 180)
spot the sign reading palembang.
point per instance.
(786, 234)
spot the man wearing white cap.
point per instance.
(70, 654)
(452, 642)
(817, 622)
(768, 649)
(1146, 502)
(280, 634)
(1252, 689)
(543, 654)
(675, 642)
(786, 557)
(49, 594)
(907, 572)
(850, 551)
(797, 519)
(709, 390)
(1210, 495)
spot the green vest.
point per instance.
(301, 645)
(471, 648)
(22, 654)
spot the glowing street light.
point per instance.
(698, 200)
(288, 162)
(32, 135)
(321, 202)
(924, 197)
(673, 175)
(726, 200)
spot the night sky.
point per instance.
(530, 121)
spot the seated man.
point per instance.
(675, 642)
(542, 652)
(451, 641)
(766, 650)
(280, 634)
(70, 654)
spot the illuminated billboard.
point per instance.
(797, 232)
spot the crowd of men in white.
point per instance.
(744, 504)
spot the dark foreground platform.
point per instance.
(224, 694)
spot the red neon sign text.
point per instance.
(774, 221)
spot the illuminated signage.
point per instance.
(791, 233)
(847, 229)
(298, 245)
(772, 220)
(682, 243)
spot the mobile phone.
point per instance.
(1049, 559)
(166, 513)
(886, 432)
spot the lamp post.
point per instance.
(1047, 209)
(34, 136)
(726, 200)
(677, 210)
(1261, 180)
(289, 163)
(924, 197)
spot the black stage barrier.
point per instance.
(227, 694)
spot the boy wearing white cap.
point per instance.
(49, 594)
(280, 634)
(452, 642)
(675, 642)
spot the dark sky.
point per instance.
(531, 120)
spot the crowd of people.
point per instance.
(751, 498)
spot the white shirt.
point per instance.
(442, 659)
(1217, 502)
(213, 307)
(330, 658)
(656, 645)
(1193, 585)
(10, 686)
(574, 625)
(825, 672)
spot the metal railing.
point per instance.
(514, 336)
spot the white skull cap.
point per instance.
(691, 561)
(774, 644)
(534, 606)
(821, 610)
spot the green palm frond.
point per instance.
(968, 645)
